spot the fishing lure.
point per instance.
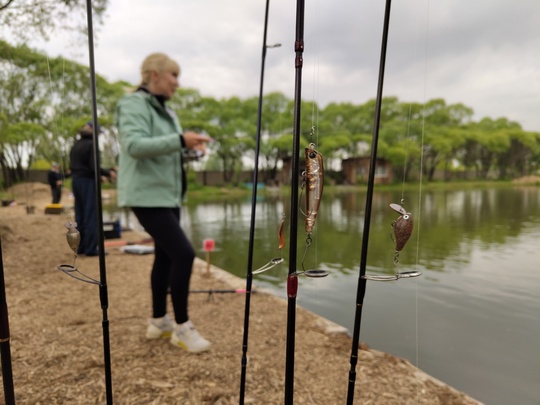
(403, 226)
(73, 237)
(281, 234)
(313, 182)
(402, 230)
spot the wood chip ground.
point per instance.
(57, 340)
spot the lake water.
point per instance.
(471, 320)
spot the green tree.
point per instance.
(484, 141)
(22, 139)
(52, 94)
(436, 112)
(275, 121)
(235, 124)
(515, 160)
(27, 19)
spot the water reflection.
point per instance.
(473, 314)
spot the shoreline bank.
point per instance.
(56, 335)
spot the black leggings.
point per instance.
(174, 256)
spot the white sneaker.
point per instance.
(160, 327)
(187, 337)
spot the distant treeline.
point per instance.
(44, 101)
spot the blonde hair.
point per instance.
(157, 62)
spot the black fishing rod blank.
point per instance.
(103, 294)
(5, 345)
(218, 291)
(249, 275)
(292, 279)
(212, 292)
(361, 290)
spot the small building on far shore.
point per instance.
(356, 170)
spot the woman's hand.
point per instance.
(196, 141)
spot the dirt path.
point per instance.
(57, 341)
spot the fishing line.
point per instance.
(422, 140)
(57, 128)
(73, 235)
(51, 91)
(313, 175)
(404, 175)
(292, 278)
(315, 98)
(313, 182)
(402, 226)
(272, 262)
(362, 279)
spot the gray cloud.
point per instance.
(484, 54)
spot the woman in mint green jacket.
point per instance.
(151, 182)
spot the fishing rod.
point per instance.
(224, 291)
(249, 276)
(103, 294)
(73, 236)
(292, 278)
(120, 243)
(361, 289)
(5, 348)
(211, 292)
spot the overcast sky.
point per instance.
(482, 53)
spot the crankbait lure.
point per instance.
(73, 237)
(402, 230)
(403, 226)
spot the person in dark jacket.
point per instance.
(55, 180)
(84, 191)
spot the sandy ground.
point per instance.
(57, 337)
